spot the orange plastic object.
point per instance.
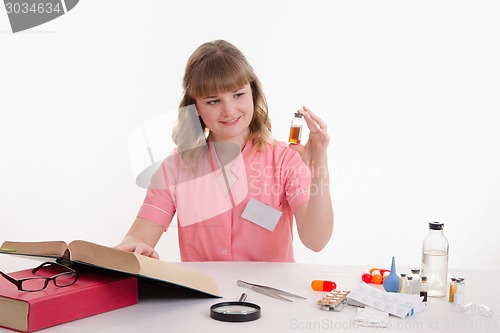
(377, 277)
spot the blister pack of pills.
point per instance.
(400, 305)
(335, 300)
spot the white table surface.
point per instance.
(173, 314)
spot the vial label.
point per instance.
(424, 294)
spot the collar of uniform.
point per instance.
(237, 164)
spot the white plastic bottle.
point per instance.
(435, 260)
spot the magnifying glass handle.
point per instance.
(243, 297)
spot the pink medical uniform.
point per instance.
(209, 201)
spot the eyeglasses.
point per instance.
(39, 283)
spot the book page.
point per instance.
(14, 313)
(103, 256)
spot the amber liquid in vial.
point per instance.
(295, 134)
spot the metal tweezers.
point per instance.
(269, 291)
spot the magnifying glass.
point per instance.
(238, 312)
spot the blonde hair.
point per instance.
(217, 67)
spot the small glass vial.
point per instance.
(296, 128)
(459, 292)
(453, 289)
(423, 288)
(409, 285)
(463, 288)
(415, 273)
(403, 283)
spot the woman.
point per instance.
(234, 188)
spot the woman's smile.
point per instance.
(232, 121)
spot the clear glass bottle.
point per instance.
(435, 260)
(296, 128)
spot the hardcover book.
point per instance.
(91, 294)
(87, 253)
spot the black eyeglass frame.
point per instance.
(19, 282)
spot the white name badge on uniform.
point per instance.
(261, 214)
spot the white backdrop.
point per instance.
(410, 92)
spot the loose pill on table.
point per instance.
(320, 285)
(366, 277)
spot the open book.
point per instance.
(82, 252)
